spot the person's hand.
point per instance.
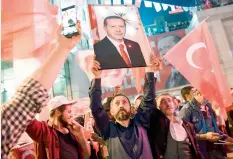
(116, 90)
(211, 136)
(222, 128)
(96, 138)
(68, 43)
(96, 146)
(87, 134)
(95, 69)
(104, 152)
(77, 130)
(154, 63)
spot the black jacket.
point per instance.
(158, 131)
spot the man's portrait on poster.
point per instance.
(175, 79)
(115, 49)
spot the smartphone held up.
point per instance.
(69, 20)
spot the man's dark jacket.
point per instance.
(158, 132)
(109, 57)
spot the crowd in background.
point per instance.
(155, 126)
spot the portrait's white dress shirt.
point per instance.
(117, 45)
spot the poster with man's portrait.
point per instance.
(169, 77)
(119, 38)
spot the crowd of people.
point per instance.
(158, 127)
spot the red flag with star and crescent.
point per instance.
(195, 57)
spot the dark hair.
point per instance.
(117, 95)
(163, 94)
(61, 109)
(185, 91)
(157, 102)
(112, 17)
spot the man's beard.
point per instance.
(122, 115)
(62, 121)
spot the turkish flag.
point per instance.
(195, 57)
(93, 23)
(81, 107)
(28, 28)
(109, 78)
(138, 3)
(23, 152)
(138, 74)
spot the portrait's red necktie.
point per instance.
(125, 56)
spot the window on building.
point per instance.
(7, 81)
(51, 1)
(62, 85)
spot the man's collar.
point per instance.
(116, 43)
(194, 103)
(179, 120)
(130, 123)
(197, 104)
(51, 125)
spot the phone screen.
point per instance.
(69, 21)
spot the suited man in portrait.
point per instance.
(175, 79)
(114, 51)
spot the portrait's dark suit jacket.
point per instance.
(109, 57)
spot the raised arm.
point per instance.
(98, 112)
(49, 70)
(32, 94)
(18, 112)
(147, 104)
(34, 130)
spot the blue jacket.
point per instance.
(191, 113)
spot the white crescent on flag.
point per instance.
(27, 153)
(191, 50)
